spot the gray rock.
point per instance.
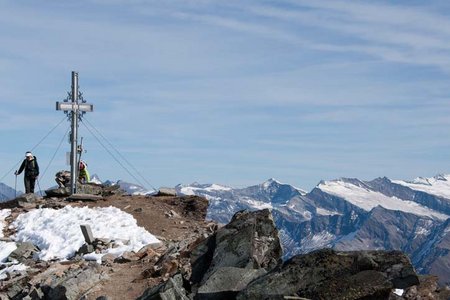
(127, 256)
(327, 274)
(108, 258)
(24, 251)
(85, 249)
(87, 233)
(74, 283)
(169, 290)
(58, 192)
(90, 188)
(250, 240)
(36, 293)
(165, 191)
(16, 287)
(84, 197)
(28, 198)
(226, 282)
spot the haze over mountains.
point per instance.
(349, 214)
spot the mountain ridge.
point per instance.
(346, 214)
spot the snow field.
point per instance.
(57, 232)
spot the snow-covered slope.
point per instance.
(438, 185)
(95, 179)
(204, 188)
(134, 189)
(360, 194)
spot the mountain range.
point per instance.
(344, 214)
(349, 214)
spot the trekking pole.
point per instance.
(40, 191)
(15, 185)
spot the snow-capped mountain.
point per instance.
(95, 179)
(225, 201)
(438, 185)
(349, 214)
(362, 195)
(134, 189)
(128, 188)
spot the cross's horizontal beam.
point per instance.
(73, 106)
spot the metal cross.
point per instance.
(75, 110)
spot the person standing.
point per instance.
(83, 174)
(31, 167)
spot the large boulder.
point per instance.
(250, 241)
(27, 201)
(327, 274)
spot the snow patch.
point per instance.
(399, 292)
(10, 269)
(368, 199)
(438, 185)
(257, 204)
(6, 248)
(57, 232)
(326, 212)
(317, 241)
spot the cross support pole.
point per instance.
(74, 108)
(74, 136)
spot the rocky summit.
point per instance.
(198, 259)
(242, 260)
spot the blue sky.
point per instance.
(231, 92)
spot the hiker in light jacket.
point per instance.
(83, 174)
(31, 167)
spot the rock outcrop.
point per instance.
(242, 260)
(325, 274)
(249, 241)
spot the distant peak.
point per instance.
(269, 182)
(343, 180)
(442, 177)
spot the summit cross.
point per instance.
(75, 110)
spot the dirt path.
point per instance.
(169, 218)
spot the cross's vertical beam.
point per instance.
(74, 136)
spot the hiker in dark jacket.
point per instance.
(31, 168)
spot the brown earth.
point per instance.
(154, 214)
(170, 219)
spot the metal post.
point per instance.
(74, 136)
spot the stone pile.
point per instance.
(76, 277)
